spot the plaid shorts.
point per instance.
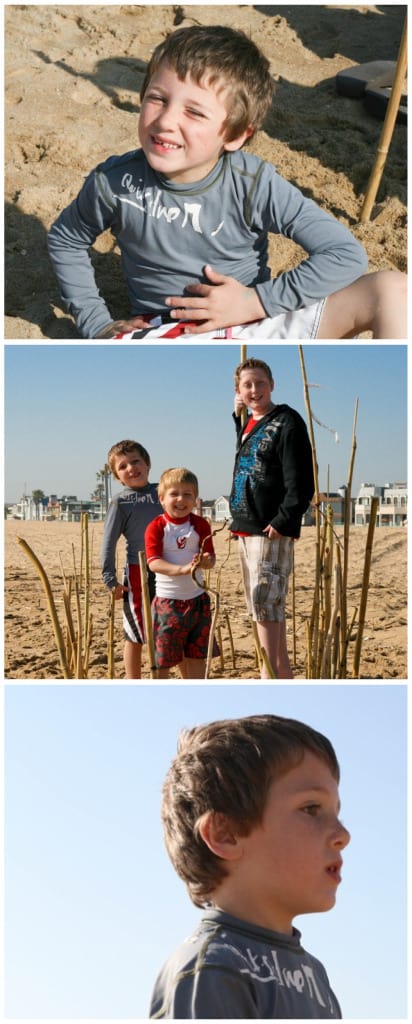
(266, 566)
(180, 629)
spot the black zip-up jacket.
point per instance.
(273, 475)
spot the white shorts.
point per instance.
(300, 325)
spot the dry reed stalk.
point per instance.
(388, 127)
(232, 647)
(328, 566)
(110, 639)
(294, 653)
(346, 534)
(365, 587)
(85, 552)
(243, 357)
(327, 671)
(147, 614)
(314, 621)
(51, 606)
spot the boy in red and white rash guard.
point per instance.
(181, 608)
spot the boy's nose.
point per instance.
(342, 837)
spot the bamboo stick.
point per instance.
(388, 127)
(51, 606)
(110, 639)
(346, 533)
(147, 613)
(314, 622)
(86, 610)
(365, 587)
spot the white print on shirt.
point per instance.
(139, 498)
(301, 979)
(148, 201)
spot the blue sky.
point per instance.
(93, 906)
(65, 405)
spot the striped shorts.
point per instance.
(299, 325)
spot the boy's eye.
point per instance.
(311, 809)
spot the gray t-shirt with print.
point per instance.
(229, 970)
(168, 232)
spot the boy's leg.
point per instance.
(376, 302)
(266, 566)
(192, 668)
(132, 659)
(272, 637)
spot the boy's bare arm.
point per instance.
(221, 303)
(169, 568)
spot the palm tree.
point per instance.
(38, 498)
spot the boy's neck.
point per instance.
(263, 917)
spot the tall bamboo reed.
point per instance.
(313, 639)
(147, 612)
(51, 606)
(365, 586)
(346, 536)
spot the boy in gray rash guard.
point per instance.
(191, 213)
(250, 815)
(128, 515)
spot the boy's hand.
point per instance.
(271, 532)
(221, 303)
(118, 591)
(123, 327)
(206, 561)
(239, 405)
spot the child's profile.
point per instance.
(251, 824)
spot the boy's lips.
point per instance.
(334, 870)
(164, 143)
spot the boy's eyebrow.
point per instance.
(317, 789)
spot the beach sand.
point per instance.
(73, 75)
(30, 647)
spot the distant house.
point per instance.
(336, 499)
(222, 510)
(393, 504)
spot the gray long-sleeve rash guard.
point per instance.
(229, 970)
(128, 515)
(168, 232)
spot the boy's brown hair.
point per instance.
(220, 54)
(252, 364)
(227, 767)
(126, 448)
(178, 475)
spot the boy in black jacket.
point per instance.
(272, 488)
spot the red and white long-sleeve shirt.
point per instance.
(177, 541)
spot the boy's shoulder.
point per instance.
(120, 161)
(258, 965)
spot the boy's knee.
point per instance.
(390, 284)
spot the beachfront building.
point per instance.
(393, 504)
(67, 509)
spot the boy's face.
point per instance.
(255, 390)
(291, 863)
(131, 470)
(178, 500)
(181, 126)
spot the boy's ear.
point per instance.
(218, 832)
(237, 143)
